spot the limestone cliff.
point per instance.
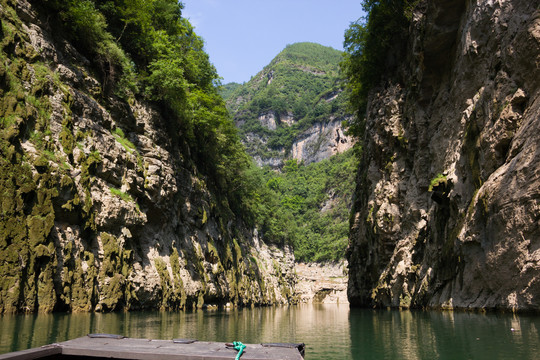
(102, 206)
(447, 207)
(322, 283)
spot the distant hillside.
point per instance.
(293, 108)
(311, 205)
(290, 118)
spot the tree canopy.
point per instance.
(308, 206)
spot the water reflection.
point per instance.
(330, 331)
(442, 335)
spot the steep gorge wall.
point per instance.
(447, 207)
(102, 207)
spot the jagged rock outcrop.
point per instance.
(446, 213)
(102, 208)
(321, 283)
(318, 142)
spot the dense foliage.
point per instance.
(308, 206)
(369, 42)
(145, 48)
(228, 89)
(302, 81)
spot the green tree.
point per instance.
(308, 206)
(368, 43)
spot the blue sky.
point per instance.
(242, 36)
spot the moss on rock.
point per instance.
(178, 284)
(165, 279)
(111, 279)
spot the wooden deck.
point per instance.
(94, 348)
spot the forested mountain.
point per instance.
(313, 202)
(290, 118)
(293, 108)
(446, 208)
(124, 184)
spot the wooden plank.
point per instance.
(143, 349)
(35, 353)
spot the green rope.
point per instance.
(240, 347)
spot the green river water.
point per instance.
(329, 331)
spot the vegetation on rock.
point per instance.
(69, 238)
(146, 48)
(373, 45)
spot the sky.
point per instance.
(243, 36)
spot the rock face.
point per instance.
(321, 283)
(447, 207)
(321, 141)
(113, 214)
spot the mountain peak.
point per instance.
(310, 51)
(293, 108)
(310, 55)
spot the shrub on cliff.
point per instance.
(145, 48)
(368, 44)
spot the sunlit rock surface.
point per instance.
(321, 283)
(447, 207)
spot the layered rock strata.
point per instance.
(447, 207)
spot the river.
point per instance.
(330, 331)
